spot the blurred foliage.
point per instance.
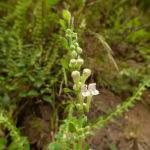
(30, 46)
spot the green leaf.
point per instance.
(66, 15)
(3, 142)
(38, 83)
(31, 78)
(118, 106)
(25, 142)
(71, 127)
(131, 104)
(14, 146)
(112, 120)
(6, 101)
(76, 147)
(47, 98)
(92, 133)
(54, 146)
(102, 125)
(22, 94)
(67, 90)
(87, 146)
(64, 43)
(72, 25)
(65, 64)
(19, 74)
(33, 92)
(63, 23)
(84, 122)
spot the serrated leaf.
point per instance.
(66, 15)
(47, 98)
(6, 101)
(33, 92)
(22, 94)
(65, 64)
(63, 23)
(71, 127)
(84, 122)
(64, 43)
(3, 142)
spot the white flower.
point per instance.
(84, 90)
(92, 89)
(84, 93)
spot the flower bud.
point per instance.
(74, 54)
(68, 35)
(79, 62)
(86, 130)
(79, 50)
(74, 35)
(85, 75)
(84, 106)
(78, 106)
(74, 87)
(76, 76)
(72, 47)
(68, 31)
(72, 63)
(80, 132)
(76, 44)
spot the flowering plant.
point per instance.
(82, 90)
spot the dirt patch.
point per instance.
(130, 132)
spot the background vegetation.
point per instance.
(31, 75)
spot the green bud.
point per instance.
(73, 62)
(78, 106)
(74, 54)
(79, 62)
(76, 44)
(76, 76)
(79, 50)
(72, 47)
(68, 31)
(68, 35)
(85, 75)
(74, 35)
(86, 129)
(80, 132)
(84, 106)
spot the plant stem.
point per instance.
(80, 126)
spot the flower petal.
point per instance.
(95, 92)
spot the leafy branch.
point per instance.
(128, 103)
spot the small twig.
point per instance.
(20, 109)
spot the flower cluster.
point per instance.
(81, 87)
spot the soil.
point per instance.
(130, 131)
